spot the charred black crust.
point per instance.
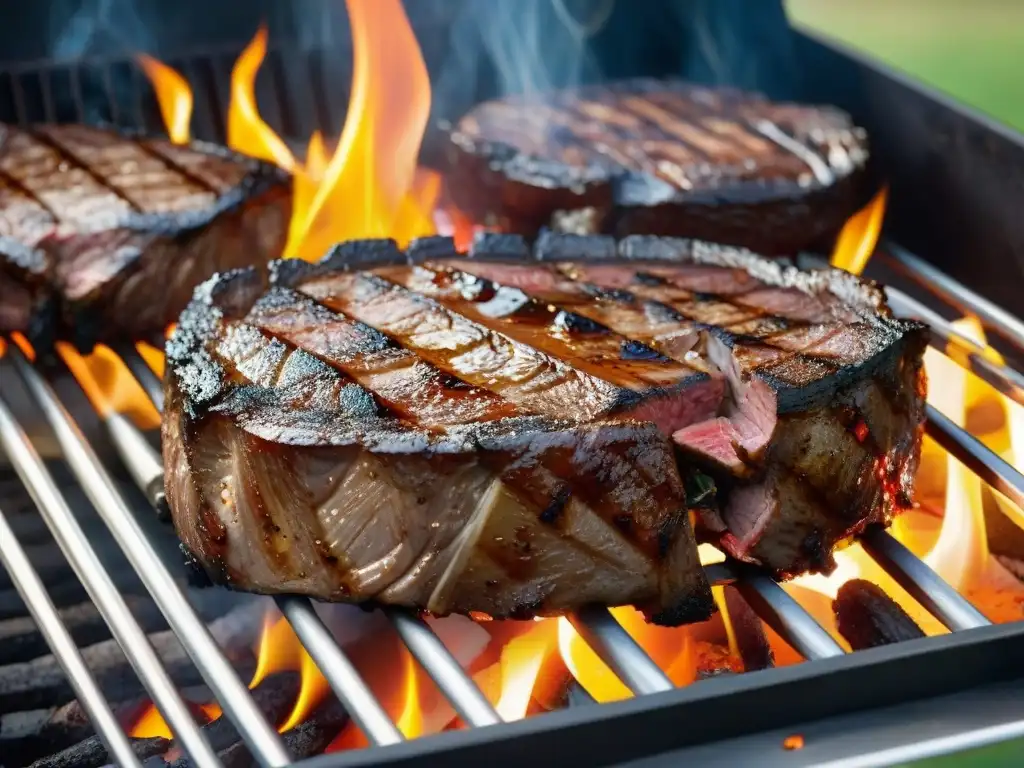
(344, 257)
(697, 605)
(200, 378)
(499, 246)
(553, 511)
(435, 248)
(493, 180)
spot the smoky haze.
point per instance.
(500, 47)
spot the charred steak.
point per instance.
(661, 157)
(515, 433)
(105, 235)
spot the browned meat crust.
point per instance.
(662, 157)
(501, 433)
(107, 233)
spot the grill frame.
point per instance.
(829, 686)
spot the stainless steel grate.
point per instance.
(596, 625)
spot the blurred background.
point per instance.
(971, 49)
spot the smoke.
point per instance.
(81, 28)
(496, 47)
(500, 47)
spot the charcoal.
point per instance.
(867, 617)
(92, 753)
(41, 683)
(20, 639)
(751, 640)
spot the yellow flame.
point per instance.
(173, 95)
(247, 131)
(410, 722)
(857, 240)
(367, 182)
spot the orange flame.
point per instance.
(172, 94)
(857, 240)
(365, 190)
(247, 132)
(109, 385)
(522, 660)
(410, 722)
(280, 651)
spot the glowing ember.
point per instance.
(172, 94)
(857, 240)
(150, 724)
(795, 741)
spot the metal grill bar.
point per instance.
(924, 585)
(630, 663)
(458, 687)
(1003, 378)
(76, 548)
(596, 625)
(143, 374)
(232, 694)
(957, 294)
(342, 676)
(45, 615)
(981, 460)
(786, 616)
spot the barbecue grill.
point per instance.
(954, 239)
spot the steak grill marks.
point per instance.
(527, 502)
(661, 157)
(116, 229)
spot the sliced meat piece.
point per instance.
(661, 157)
(107, 233)
(307, 452)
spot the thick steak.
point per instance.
(104, 235)
(661, 157)
(506, 433)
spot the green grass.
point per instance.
(971, 49)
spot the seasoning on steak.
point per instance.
(505, 433)
(661, 157)
(105, 235)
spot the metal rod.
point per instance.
(140, 458)
(102, 491)
(623, 655)
(427, 648)
(30, 587)
(786, 616)
(989, 466)
(76, 547)
(1007, 380)
(923, 584)
(343, 678)
(994, 317)
(143, 374)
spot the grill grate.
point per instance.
(292, 86)
(596, 626)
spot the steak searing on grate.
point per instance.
(104, 235)
(514, 433)
(661, 157)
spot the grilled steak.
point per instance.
(105, 235)
(661, 157)
(508, 433)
